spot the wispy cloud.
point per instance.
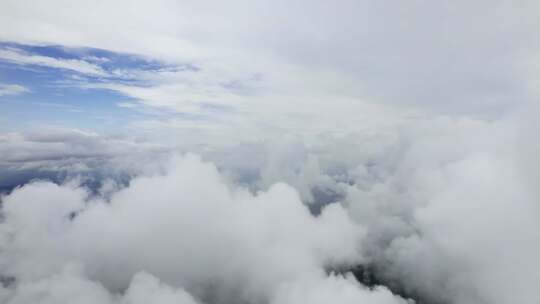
(17, 56)
(12, 89)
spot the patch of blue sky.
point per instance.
(69, 107)
(106, 59)
(58, 97)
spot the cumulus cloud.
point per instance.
(100, 162)
(457, 219)
(187, 228)
(71, 286)
(444, 212)
(441, 211)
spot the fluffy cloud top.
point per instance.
(188, 229)
(444, 214)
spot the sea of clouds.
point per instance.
(441, 211)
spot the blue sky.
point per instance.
(58, 96)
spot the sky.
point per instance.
(261, 67)
(280, 147)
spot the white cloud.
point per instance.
(12, 89)
(17, 56)
(445, 211)
(188, 229)
(72, 286)
(456, 220)
(333, 289)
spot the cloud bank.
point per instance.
(185, 227)
(446, 212)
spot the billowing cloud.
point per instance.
(274, 153)
(444, 213)
(71, 286)
(185, 227)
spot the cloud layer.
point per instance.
(187, 228)
(444, 213)
(358, 65)
(269, 152)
